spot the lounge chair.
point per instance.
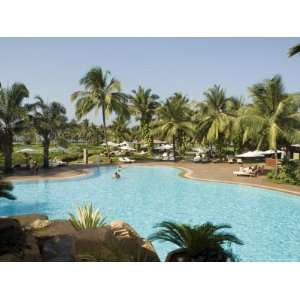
(245, 172)
(165, 156)
(57, 163)
(126, 160)
(171, 157)
(239, 161)
(230, 160)
(197, 159)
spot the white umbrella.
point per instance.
(111, 144)
(200, 150)
(251, 154)
(25, 150)
(269, 152)
(127, 148)
(58, 149)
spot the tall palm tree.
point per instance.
(205, 242)
(215, 116)
(272, 116)
(143, 104)
(294, 50)
(48, 120)
(5, 190)
(12, 118)
(100, 92)
(174, 119)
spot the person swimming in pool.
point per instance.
(116, 175)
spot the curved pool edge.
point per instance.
(188, 174)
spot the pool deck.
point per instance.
(214, 172)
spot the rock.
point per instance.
(98, 244)
(56, 227)
(12, 237)
(31, 251)
(10, 258)
(26, 220)
(38, 224)
(58, 248)
(132, 244)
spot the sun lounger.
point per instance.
(239, 161)
(196, 159)
(230, 160)
(245, 172)
(126, 160)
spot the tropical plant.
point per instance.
(100, 92)
(272, 116)
(119, 129)
(143, 104)
(5, 190)
(48, 120)
(294, 50)
(87, 218)
(205, 242)
(215, 116)
(12, 118)
(174, 119)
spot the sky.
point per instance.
(52, 67)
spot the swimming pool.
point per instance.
(267, 221)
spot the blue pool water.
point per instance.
(268, 222)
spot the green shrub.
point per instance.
(289, 172)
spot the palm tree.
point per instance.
(5, 189)
(100, 92)
(274, 115)
(143, 105)
(174, 119)
(119, 129)
(294, 50)
(215, 116)
(12, 118)
(94, 135)
(203, 242)
(48, 120)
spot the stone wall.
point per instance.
(36, 238)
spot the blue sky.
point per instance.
(52, 67)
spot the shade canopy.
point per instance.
(127, 148)
(251, 154)
(26, 150)
(269, 152)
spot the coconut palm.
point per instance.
(94, 134)
(119, 129)
(272, 116)
(48, 120)
(215, 117)
(12, 118)
(100, 92)
(205, 242)
(5, 190)
(294, 50)
(143, 104)
(174, 119)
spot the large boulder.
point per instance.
(12, 237)
(15, 243)
(59, 248)
(138, 248)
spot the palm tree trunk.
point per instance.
(104, 130)
(276, 162)
(174, 145)
(7, 151)
(46, 144)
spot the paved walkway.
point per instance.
(220, 172)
